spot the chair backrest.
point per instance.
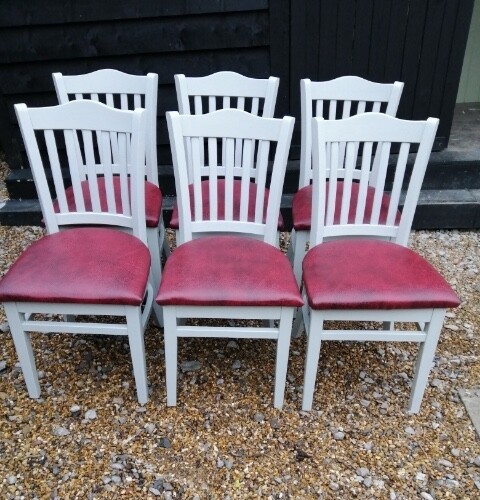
(224, 90)
(372, 135)
(117, 90)
(219, 131)
(338, 99)
(83, 132)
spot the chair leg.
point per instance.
(171, 343)
(298, 324)
(156, 270)
(291, 245)
(301, 238)
(137, 350)
(163, 241)
(424, 360)
(23, 346)
(311, 359)
(283, 348)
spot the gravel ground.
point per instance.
(88, 437)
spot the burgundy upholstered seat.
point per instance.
(228, 271)
(302, 206)
(221, 203)
(80, 266)
(372, 274)
(153, 199)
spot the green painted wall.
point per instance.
(469, 88)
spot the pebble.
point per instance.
(164, 442)
(4, 328)
(232, 344)
(476, 461)
(60, 431)
(12, 479)
(363, 471)
(368, 482)
(410, 430)
(426, 495)
(339, 436)
(275, 423)
(154, 491)
(368, 446)
(259, 417)
(3, 366)
(75, 410)
(150, 428)
(90, 414)
(236, 365)
(445, 463)
(190, 366)
(334, 486)
(365, 403)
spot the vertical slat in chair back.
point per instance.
(225, 90)
(82, 131)
(372, 135)
(341, 98)
(122, 91)
(220, 130)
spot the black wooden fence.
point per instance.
(419, 42)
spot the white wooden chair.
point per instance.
(121, 90)
(339, 98)
(368, 279)
(230, 276)
(91, 268)
(224, 90)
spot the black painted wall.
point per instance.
(420, 42)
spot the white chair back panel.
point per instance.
(84, 129)
(356, 88)
(224, 90)
(104, 81)
(366, 133)
(122, 91)
(227, 126)
(341, 98)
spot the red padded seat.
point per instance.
(174, 223)
(80, 266)
(228, 271)
(372, 274)
(153, 199)
(302, 206)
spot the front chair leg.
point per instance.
(23, 346)
(137, 350)
(311, 359)
(424, 360)
(283, 348)
(171, 347)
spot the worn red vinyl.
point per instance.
(84, 266)
(228, 271)
(372, 274)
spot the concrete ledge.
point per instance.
(437, 209)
